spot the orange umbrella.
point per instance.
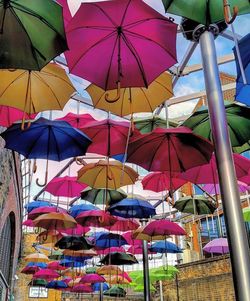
(118, 279)
(54, 221)
(109, 270)
(36, 257)
(80, 253)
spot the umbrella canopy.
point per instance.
(42, 210)
(41, 265)
(196, 204)
(217, 246)
(36, 204)
(110, 250)
(132, 208)
(147, 125)
(238, 122)
(205, 12)
(215, 188)
(109, 270)
(138, 250)
(66, 11)
(161, 181)
(207, 173)
(98, 196)
(134, 100)
(9, 115)
(38, 36)
(130, 239)
(28, 223)
(127, 40)
(173, 150)
(118, 258)
(46, 274)
(56, 284)
(92, 278)
(36, 257)
(77, 209)
(165, 247)
(55, 265)
(97, 287)
(55, 254)
(30, 270)
(140, 288)
(124, 224)
(109, 137)
(65, 187)
(246, 214)
(115, 291)
(107, 175)
(95, 218)
(118, 279)
(38, 282)
(54, 221)
(105, 240)
(77, 120)
(74, 243)
(82, 288)
(81, 254)
(77, 231)
(49, 237)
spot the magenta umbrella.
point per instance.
(215, 188)
(120, 43)
(66, 11)
(65, 186)
(9, 115)
(28, 223)
(111, 250)
(124, 224)
(160, 181)
(43, 210)
(217, 246)
(96, 218)
(46, 274)
(55, 265)
(77, 120)
(138, 250)
(129, 238)
(207, 173)
(92, 278)
(77, 231)
(82, 288)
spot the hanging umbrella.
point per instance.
(41, 265)
(42, 210)
(66, 11)
(132, 208)
(81, 288)
(77, 120)
(105, 240)
(54, 221)
(134, 100)
(65, 187)
(138, 250)
(74, 281)
(77, 209)
(107, 175)
(49, 237)
(92, 278)
(55, 254)
(122, 40)
(165, 247)
(147, 125)
(205, 12)
(46, 139)
(215, 188)
(110, 250)
(130, 239)
(196, 204)
(9, 115)
(98, 196)
(46, 274)
(74, 243)
(36, 204)
(173, 150)
(77, 231)
(124, 224)
(55, 265)
(217, 246)
(207, 173)
(161, 181)
(38, 282)
(28, 223)
(115, 291)
(246, 214)
(30, 270)
(140, 288)
(118, 279)
(109, 270)
(56, 284)
(91, 270)
(95, 218)
(80, 253)
(36, 257)
(119, 259)
(238, 122)
(27, 27)
(97, 287)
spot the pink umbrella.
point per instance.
(124, 224)
(160, 181)
(46, 274)
(65, 186)
(92, 278)
(77, 120)
(28, 223)
(82, 288)
(77, 231)
(9, 115)
(55, 265)
(207, 173)
(129, 238)
(43, 210)
(138, 250)
(215, 188)
(66, 11)
(95, 218)
(125, 275)
(122, 42)
(217, 246)
(110, 250)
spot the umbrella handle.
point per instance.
(79, 161)
(118, 95)
(34, 169)
(45, 180)
(228, 18)
(23, 128)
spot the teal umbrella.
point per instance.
(204, 11)
(31, 33)
(238, 120)
(115, 291)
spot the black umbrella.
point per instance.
(74, 243)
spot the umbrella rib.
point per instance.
(12, 82)
(125, 12)
(165, 87)
(122, 101)
(103, 11)
(130, 25)
(56, 144)
(148, 101)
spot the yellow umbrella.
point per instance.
(107, 174)
(118, 279)
(36, 257)
(34, 91)
(133, 100)
(109, 270)
(138, 234)
(73, 273)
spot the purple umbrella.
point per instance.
(217, 246)
(215, 188)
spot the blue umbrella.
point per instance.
(36, 204)
(46, 139)
(165, 247)
(243, 91)
(41, 265)
(104, 240)
(97, 287)
(56, 284)
(77, 209)
(132, 208)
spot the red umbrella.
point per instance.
(65, 186)
(43, 210)
(77, 231)
(95, 218)
(82, 288)
(160, 181)
(9, 115)
(124, 224)
(122, 42)
(46, 274)
(110, 250)
(28, 223)
(92, 278)
(207, 173)
(173, 150)
(77, 120)
(55, 265)
(108, 137)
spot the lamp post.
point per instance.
(145, 266)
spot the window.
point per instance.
(38, 292)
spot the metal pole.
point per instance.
(161, 291)
(101, 292)
(145, 267)
(237, 236)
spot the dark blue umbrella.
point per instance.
(104, 240)
(132, 208)
(70, 263)
(165, 247)
(36, 204)
(46, 139)
(77, 209)
(97, 287)
(56, 284)
(41, 265)
(242, 90)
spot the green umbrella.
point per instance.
(140, 288)
(98, 196)
(204, 11)
(147, 125)
(31, 33)
(38, 282)
(246, 214)
(238, 120)
(196, 204)
(115, 291)
(90, 270)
